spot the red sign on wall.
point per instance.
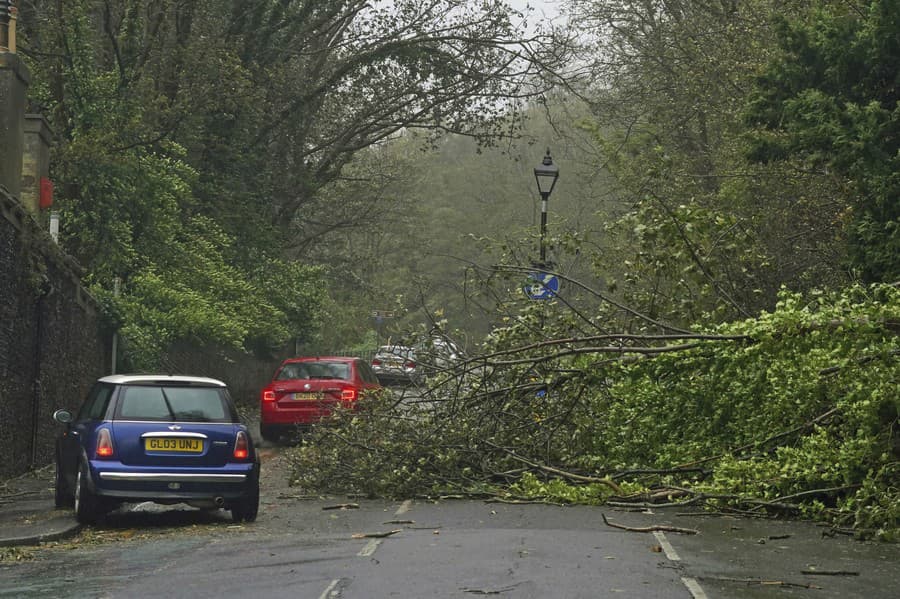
(46, 199)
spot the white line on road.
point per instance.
(370, 548)
(404, 507)
(666, 546)
(372, 545)
(328, 592)
(694, 587)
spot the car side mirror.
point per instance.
(63, 416)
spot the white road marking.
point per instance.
(329, 590)
(370, 548)
(404, 507)
(666, 546)
(372, 545)
(694, 587)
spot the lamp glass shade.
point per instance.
(546, 174)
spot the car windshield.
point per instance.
(314, 370)
(185, 404)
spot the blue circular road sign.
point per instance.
(542, 286)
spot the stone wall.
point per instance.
(52, 342)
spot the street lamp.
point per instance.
(546, 174)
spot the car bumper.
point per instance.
(166, 484)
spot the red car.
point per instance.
(304, 390)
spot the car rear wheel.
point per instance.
(87, 506)
(62, 495)
(247, 508)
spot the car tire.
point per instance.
(87, 506)
(247, 508)
(269, 433)
(62, 495)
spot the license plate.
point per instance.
(307, 396)
(173, 444)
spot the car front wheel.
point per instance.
(87, 507)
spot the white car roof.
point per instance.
(124, 379)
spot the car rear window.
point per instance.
(186, 404)
(314, 370)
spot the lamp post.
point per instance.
(546, 174)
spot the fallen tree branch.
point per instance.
(825, 491)
(375, 535)
(654, 528)
(781, 435)
(642, 471)
(523, 501)
(656, 496)
(550, 469)
(341, 506)
(761, 582)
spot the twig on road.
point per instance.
(654, 528)
(341, 506)
(375, 535)
(762, 582)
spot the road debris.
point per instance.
(761, 582)
(341, 506)
(654, 528)
(375, 535)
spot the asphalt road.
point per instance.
(445, 549)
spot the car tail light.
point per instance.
(268, 395)
(241, 446)
(348, 394)
(411, 365)
(104, 444)
(376, 362)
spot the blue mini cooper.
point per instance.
(160, 438)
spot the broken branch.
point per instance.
(375, 535)
(654, 528)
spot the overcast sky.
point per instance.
(547, 8)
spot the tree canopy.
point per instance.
(202, 145)
(830, 98)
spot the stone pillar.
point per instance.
(35, 160)
(14, 79)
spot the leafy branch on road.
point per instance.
(754, 419)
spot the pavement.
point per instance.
(28, 515)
